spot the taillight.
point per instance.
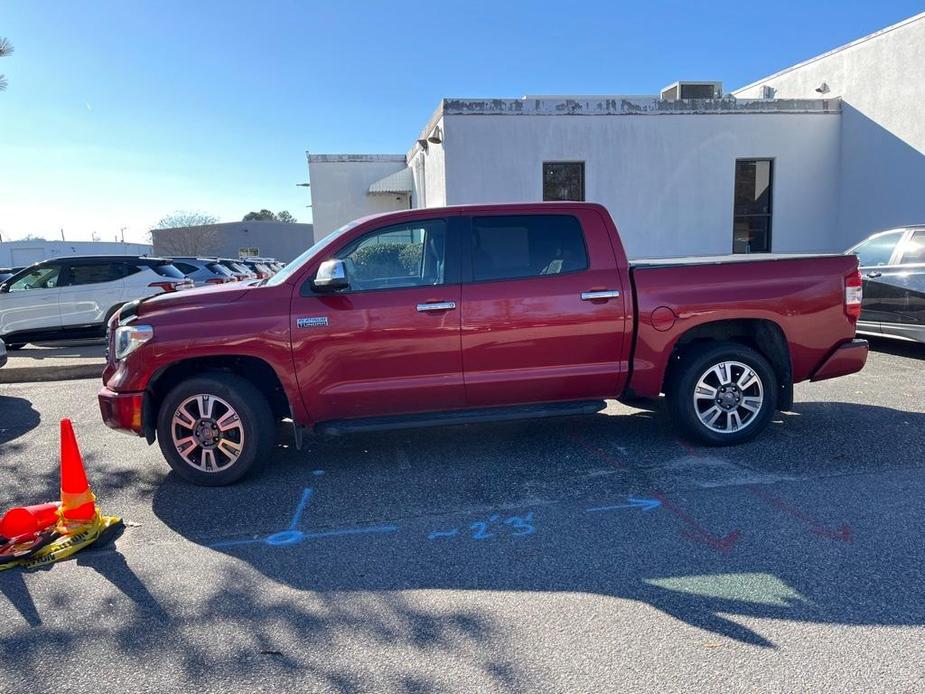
(854, 294)
(165, 286)
(217, 280)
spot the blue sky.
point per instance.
(118, 113)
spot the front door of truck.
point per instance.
(389, 343)
(544, 309)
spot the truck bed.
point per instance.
(643, 263)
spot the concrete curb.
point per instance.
(52, 372)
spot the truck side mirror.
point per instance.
(331, 276)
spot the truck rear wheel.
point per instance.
(723, 394)
(214, 429)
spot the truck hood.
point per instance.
(209, 295)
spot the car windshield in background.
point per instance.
(219, 269)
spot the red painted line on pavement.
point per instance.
(843, 533)
(600, 453)
(694, 530)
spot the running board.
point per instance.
(338, 427)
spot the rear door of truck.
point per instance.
(543, 308)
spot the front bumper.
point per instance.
(122, 411)
(847, 359)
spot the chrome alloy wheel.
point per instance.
(207, 433)
(728, 397)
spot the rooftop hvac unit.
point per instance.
(692, 90)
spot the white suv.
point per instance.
(75, 297)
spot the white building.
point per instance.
(812, 158)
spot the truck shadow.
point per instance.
(898, 348)
(767, 531)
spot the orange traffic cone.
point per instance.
(28, 519)
(77, 501)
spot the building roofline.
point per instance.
(312, 158)
(613, 105)
(628, 106)
(822, 56)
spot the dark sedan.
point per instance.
(893, 269)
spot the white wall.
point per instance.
(429, 171)
(881, 81)
(19, 253)
(667, 179)
(340, 188)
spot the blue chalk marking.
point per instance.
(642, 504)
(303, 502)
(443, 533)
(286, 537)
(523, 525)
(291, 536)
(317, 473)
(232, 543)
(353, 531)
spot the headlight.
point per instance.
(131, 337)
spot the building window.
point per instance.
(751, 225)
(564, 180)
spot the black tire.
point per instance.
(696, 363)
(254, 427)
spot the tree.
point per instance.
(269, 216)
(185, 234)
(182, 218)
(262, 216)
(5, 49)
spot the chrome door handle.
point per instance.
(607, 294)
(437, 306)
(873, 275)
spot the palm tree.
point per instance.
(5, 49)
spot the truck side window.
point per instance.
(404, 255)
(516, 246)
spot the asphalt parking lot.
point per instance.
(587, 554)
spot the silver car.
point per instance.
(204, 271)
(2, 353)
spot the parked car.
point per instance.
(261, 271)
(240, 271)
(269, 263)
(7, 272)
(2, 354)
(469, 314)
(203, 271)
(893, 272)
(75, 297)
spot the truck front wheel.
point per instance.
(723, 394)
(214, 429)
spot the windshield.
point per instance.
(219, 269)
(294, 265)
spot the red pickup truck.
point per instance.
(474, 313)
